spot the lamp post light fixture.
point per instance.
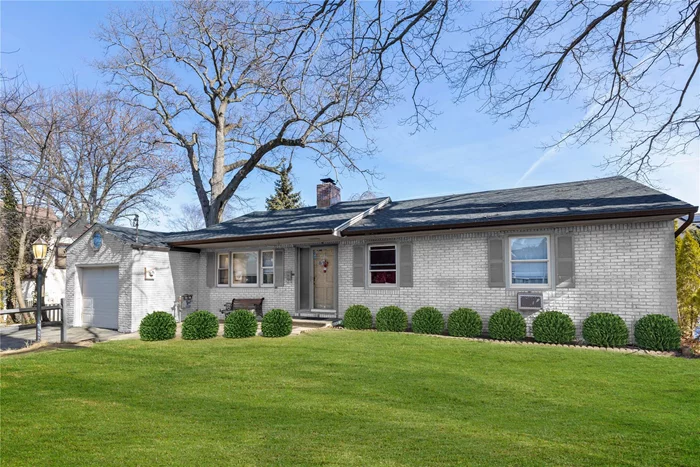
(39, 248)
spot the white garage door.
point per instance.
(100, 289)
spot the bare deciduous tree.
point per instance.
(110, 161)
(189, 219)
(257, 81)
(633, 63)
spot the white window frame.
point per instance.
(396, 265)
(548, 285)
(257, 262)
(219, 268)
(263, 268)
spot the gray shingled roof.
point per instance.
(282, 223)
(599, 198)
(591, 199)
(146, 237)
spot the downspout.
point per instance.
(686, 224)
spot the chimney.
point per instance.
(327, 193)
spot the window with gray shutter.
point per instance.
(211, 270)
(279, 268)
(406, 265)
(565, 261)
(497, 272)
(358, 266)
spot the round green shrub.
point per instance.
(240, 323)
(464, 322)
(200, 325)
(276, 323)
(553, 327)
(428, 320)
(657, 332)
(392, 319)
(357, 317)
(157, 326)
(507, 325)
(605, 330)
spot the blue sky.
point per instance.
(468, 151)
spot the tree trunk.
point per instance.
(18, 270)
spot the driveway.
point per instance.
(16, 337)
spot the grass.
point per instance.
(344, 397)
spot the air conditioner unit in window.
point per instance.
(528, 301)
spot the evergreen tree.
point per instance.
(688, 284)
(285, 197)
(10, 229)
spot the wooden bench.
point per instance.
(252, 304)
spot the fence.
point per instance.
(54, 313)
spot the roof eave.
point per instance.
(248, 238)
(532, 220)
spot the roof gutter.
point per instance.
(686, 224)
(253, 237)
(534, 220)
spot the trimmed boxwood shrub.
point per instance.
(428, 320)
(157, 326)
(357, 317)
(200, 325)
(605, 330)
(464, 322)
(392, 318)
(553, 327)
(507, 325)
(657, 332)
(240, 323)
(276, 323)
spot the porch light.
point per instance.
(40, 248)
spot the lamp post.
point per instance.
(39, 249)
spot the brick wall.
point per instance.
(176, 273)
(113, 252)
(214, 298)
(627, 269)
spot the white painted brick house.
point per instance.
(602, 245)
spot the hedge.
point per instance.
(200, 325)
(428, 320)
(553, 327)
(507, 325)
(357, 317)
(276, 323)
(239, 324)
(657, 332)
(605, 330)
(464, 322)
(392, 319)
(157, 326)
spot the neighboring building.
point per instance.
(602, 245)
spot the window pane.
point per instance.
(383, 277)
(223, 261)
(267, 259)
(268, 276)
(529, 273)
(383, 257)
(223, 277)
(528, 248)
(245, 268)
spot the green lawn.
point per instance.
(343, 397)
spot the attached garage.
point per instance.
(100, 297)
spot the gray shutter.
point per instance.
(211, 269)
(279, 268)
(497, 270)
(565, 261)
(358, 266)
(406, 265)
